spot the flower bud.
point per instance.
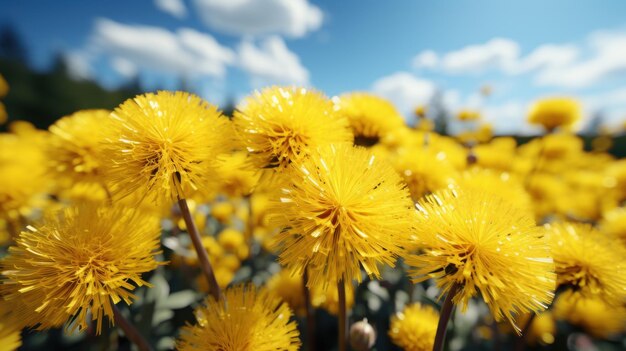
(362, 336)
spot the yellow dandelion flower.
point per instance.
(75, 146)
(425, 124)
(450, 149)
(265, 237)
(22, 179)
(223, 276)
(231, 239)
(229, 261)
(165, 145)
(555, 112)
(602, 143)
(371, 117)
(542, 329)
(396, 139)
(483, 243)
(4, 116)
(237, 177)
(414, 328)
(501, 184)
(83, 192)
(581, 205)
(79, 262)
(421, 111)
(10, 338)
(546, 190)
(282, 125)
(466, 137)
(497, 154)
(425, 171)
(252, 320)
(593, 314)
(328, 297)
(588, 262)
(223, 211)
(444, 147)
(212, 248)
(614, 223)
(4, 89)
(342, 208)
(289, 288)
(560, 146)
(468, 115)
(616, 177)
(4, 86)
(482, 134)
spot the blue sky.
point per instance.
(403, 50)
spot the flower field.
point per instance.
(308, 222)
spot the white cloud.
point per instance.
(124, 67)
(607, 59)
(454, 102)
(186, 52)
(611, 98)
(600, 57)
(405, 90)
(175, 8)
(426, 59)
(271, 63)
(293, 18)
(546, 56)
(78, 65)
(496, 53)
(205, 46)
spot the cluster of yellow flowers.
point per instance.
(336, 188)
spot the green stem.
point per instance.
(310, 312)
(444, 318)
(343, 320)
(130, 331)
(203, 257)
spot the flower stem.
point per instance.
(343, 321)
(444, 318)
(130, 331)
(249, 230)
(310, 313)
(203, 257)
